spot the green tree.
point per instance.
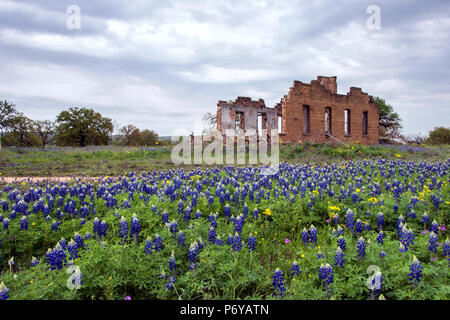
(22, 133)
(440, 135)
(8, 114)
(149, 137)
(82, 127)
(131, 135)
(45, 129)
(389, 121)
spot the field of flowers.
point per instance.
(365, 229)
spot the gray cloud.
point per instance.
(162, 64)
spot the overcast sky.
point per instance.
(161, 65)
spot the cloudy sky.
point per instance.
(162, 64)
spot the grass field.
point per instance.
(351, 222)
(113, 161)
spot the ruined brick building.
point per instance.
(312, 112)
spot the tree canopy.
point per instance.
(82, 127)
(389, 121)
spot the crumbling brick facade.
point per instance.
(312, 112)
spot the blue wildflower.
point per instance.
(432, 242)
(339, 258)
(278, 284)
(251, 243)
(3, 291)
(416, 272)
(148, 246)
(295, 269)
(361, 247)
(123, 229)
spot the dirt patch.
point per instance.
(39, 179)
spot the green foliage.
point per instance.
(389, 121)
(440, 135)
(82, 127)
(113, 268)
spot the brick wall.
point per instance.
(318, 95)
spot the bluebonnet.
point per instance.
(312, 234)
(181, 238)
(239, 223)
(134, 227)
(62, 243)
(255, 214)
(336, 218)
(402, 248)
(12, 215)
(278, 283)
(295, 269)
(361, 247)
(380, 220)
(72, 249)
(77, 276)
(251, 243)
(432, 242)
(400, 223)
(227, 210)
(24, 223)
(326, 274)
(416, 272)
(230, 240)
(341, 243)
(165, 217)
(158, 243)
(34, 261)
(56, 257)
(349, 217)
(340, 231)
(376, 284)
(187, 213)
(320, 255)
(382, 254)
(102, 229)
(198, 214)
(339, 257)
(5, 224)
(96, 226)
(212, 234)
(200, 243)
(172, 263)
(425, 218)
(3, 291)
(305, 236)
(237, 242)
(123, 229)
(219, 241)
(148, 246)
(171, 283)
(245, 212)
(446, 248)
(192, 255)
(380, 237)
(358, 226)
(434, 227)
(55, 225)
(78, 240)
